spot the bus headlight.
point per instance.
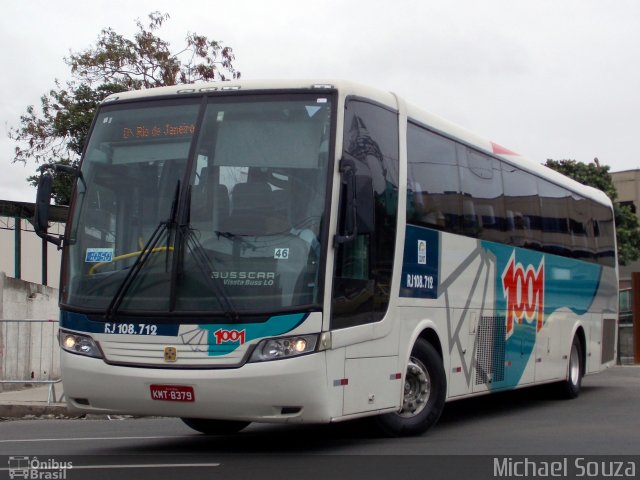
(284, 347)
(79, 344)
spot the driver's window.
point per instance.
(364, 266)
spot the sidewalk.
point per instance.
(32, 402)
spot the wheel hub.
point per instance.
(417, 389)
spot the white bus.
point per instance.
(295, 252)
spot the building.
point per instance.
(627, 184)
(24, 255)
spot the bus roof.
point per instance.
(346, 88)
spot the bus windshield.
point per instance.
(201, 209)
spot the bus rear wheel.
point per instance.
(570, 388)
(215, 427)
(425, 388)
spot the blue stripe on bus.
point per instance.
(82, 323)
(221, 338)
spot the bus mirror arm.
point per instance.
(349, 224)
(69, 170)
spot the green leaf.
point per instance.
(58, 130)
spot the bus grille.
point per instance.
(490, 351)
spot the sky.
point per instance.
(546, 78)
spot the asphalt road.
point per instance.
(604, 420)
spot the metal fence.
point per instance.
(29, 354)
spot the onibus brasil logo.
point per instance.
(37, 469)
(524, 292)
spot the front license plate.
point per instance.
(173, 393)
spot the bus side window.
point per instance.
(483, 195)
(521, 195)
(433, 181)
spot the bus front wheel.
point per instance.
(215, 427)
(425, 388)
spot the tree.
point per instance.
(596, 175)
(57, 132)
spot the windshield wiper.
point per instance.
(235, 237)
(143, 256)
(205, 266)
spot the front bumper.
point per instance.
(289, 390)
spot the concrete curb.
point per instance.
(32, 409)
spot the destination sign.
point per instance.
(158, 131)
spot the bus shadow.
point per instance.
(497, 404)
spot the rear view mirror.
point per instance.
(348, 229)
(41, 216)
(43, 197)
(357, 203)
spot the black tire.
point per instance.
(215, 427)
(424, 397)
(570, 388)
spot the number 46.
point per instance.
(281, 253)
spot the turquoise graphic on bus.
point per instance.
(529, 287)
(223, 339)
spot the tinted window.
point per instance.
(362, 281)
(434, 198)
(554, 202)
(604, 232)
(455, 188)
(522, 208)
(482, 196)
(579, 220)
